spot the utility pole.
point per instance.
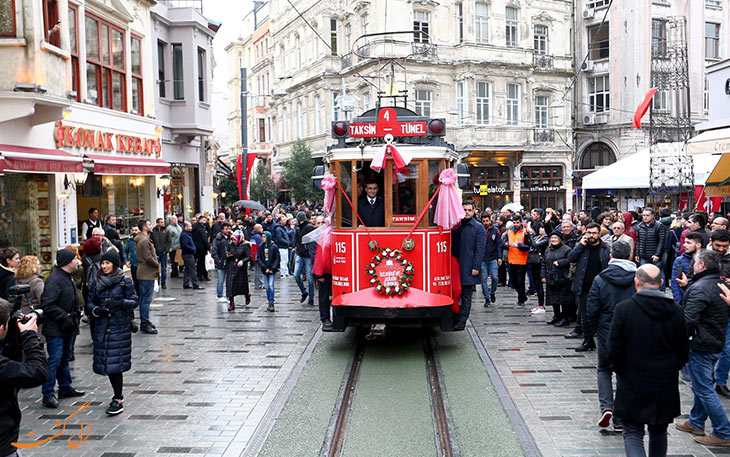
(244, 134)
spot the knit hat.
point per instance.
(92, 246)
(301, 216)
(113, 258)
(558, 234)
(64, 257)
(237, 235)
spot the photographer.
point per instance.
(61, 320)
(15, 375)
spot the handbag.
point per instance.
(533, 257)
(557, 278)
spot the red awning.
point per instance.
(23, 159)
(128, 166)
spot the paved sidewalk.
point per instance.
(200, 386)
(554, 387)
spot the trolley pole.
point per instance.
(244, 135)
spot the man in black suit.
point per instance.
(370, 207)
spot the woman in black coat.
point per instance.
(554, 273)
(9, 261)
(111, 301)
(237, 269)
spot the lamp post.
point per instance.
(244, 134)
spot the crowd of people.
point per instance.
(646, 288)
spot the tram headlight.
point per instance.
(340, 129)
(436, 127)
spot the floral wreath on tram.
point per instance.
(403, 282)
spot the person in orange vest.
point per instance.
(518, 246)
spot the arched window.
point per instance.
(596, 155)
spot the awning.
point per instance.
(632, 172)
(710, 141)
(128, 166)
(21, 159)
(718, 182)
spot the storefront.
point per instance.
(182, 197)
(542, 186)
(492, 186)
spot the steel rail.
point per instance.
(441, 420)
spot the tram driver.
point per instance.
(370, 206)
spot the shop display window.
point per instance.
(122, 196)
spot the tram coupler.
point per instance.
(376, 331)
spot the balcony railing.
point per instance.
(425, 50)
(543, 135)
(197, 4)
(542, 60)
(347, 60)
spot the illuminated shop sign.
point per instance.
(102, 140)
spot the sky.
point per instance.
(230, 14)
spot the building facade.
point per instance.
(492, 69)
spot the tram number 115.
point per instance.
(341, 247)
(441, 247)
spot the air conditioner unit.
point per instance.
(589, 119)
(589, 13)
(601, 119)
(588, 66)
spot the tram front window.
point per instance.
(405, 190)
(346, 183)
(370, 203)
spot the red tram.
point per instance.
(400, 273)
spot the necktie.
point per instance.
(372, 202)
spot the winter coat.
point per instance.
(629, 226)
(685, 263)
(647, 346)
(306, 250)
(237, 277)
(112, 335)
(186, 243)
(7, 279)
(175, 232)
(113, 236)
(149, 268)
(59, 303)
(281, 237)
(214, 231)
(36, 291)
(650, 240)
(468, 241)
(130, 252)
(556, 294)
(200, 237)
(705, 312)
(268, 257)
(580, 255)
(292, 234)
(613, 285)
(162, 239)
(221, 245)
(493, 247)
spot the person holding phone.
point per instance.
(682, 267)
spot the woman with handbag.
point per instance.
(554, 274)
(111, 297)
(534, 265)
(237, 269)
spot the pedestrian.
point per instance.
(29, 272)
(591, 256)
(554, 273)
(492, 260)
(720, 223)
(256, 240)
(162, 240)
(682, 267)
(518, 247)
(130, 253)
(650, 236)
(111, 234)
(706, 316)
(90, 224)
(268, 259)
(217, 226)
(719, 242)
(647, 345)
(112, 299)
(90, 263)
(9, 261)
(187, 248)
(613, 285)
(468, 241)
(237, 269)
(305, 258)
(59, 303)
(175, 230)
(291, 230)
(281, 238)
(322, 272)
(200, 238)
(147, 273)
(220, 251)
(534, 265)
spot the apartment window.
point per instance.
(482, 22)
(366, 101)
(513, 104)
(333, 36)
(423, 102)
(597, 3)
(511, 17)
(348, 38)
(7, 18)
(598, 42)
(105, 71)
(315, 40)
(460, 22)
(51, 33)
(161, 76)
(706, 97)
(540, 39)
(300, 121)
(136, 66)
(285, 123)
(297, 46)
(336, 113)
(178, 72)
(660, 102)
(459, 102)
(201, 74)
(365, 21)
(483, 102)
(599, 94)
(266, 83)
(421, 26)
(712, 40)
(713, 3)
(73, 30)
(659, 37)
(282, 59)
(541, 112)
(262, 130)
(317, 116)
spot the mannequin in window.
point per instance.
(370, 207)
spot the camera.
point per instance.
(23, 318)
(12, 348)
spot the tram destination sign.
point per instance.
(388, 124)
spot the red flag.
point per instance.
(643, 106)
(706, 204)
(250, 159)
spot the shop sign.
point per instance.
(484, 189)
(101, 140)
(543, 189)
